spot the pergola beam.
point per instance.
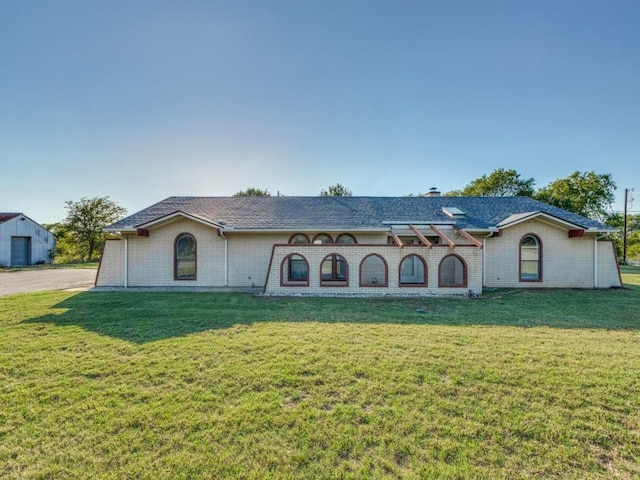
(396, 238)
(469, 237)
(444, 238)
(421, 237)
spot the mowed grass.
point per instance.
(519, 384)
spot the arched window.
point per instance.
(322, 238)
(185, 257)
(294, 271)
(530, 259)
(346, 239)
(299, 239)
(413, 270)
(334, 271)
(452, 272)
(373, 271)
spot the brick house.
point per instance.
(358, 245)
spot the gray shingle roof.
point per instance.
(337, 213)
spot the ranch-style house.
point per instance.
(432, 245)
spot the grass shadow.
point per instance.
(141, 317)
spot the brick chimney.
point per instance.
(433, 192)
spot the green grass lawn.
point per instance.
(630, 275)
(519, 384)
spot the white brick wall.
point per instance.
(566, 262)
(608, 271)
(111, 269)
(151, 258)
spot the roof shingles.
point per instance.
(332, 213)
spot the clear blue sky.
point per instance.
(139, 100)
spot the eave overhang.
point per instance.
(553, 219)
(172, 217)
(515, 219)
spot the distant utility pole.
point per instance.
(624, 231)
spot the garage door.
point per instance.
(20, 251)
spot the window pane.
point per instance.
(529, 258)
(412, 270)
(334, 269)
(186, 247)
(451, 272)
(185, 257)
(322, 239)
(299, 239)
(529, 270)
(327, 269)
(341, 268)
(297, 269)
(373, 271)
(346, 239)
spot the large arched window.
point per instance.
(185, 258)
(373, 271)
(294, 271)
(452, 272)
(530, 258)
(413, 270)
(334, 271)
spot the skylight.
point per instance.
(453, 212)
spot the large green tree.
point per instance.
(499, 183)
(585, 193)
(633, 235)
(67, 248)
(337, 190)
(86, 220)
(252, 192)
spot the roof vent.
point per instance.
(433, 192)
(453, 212)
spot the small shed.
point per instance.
(23, 241)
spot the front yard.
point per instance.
(517, 384)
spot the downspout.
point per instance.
(126, 261)
(226, 258)
(484, 260)
(595, 261)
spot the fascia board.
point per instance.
(172, 216)
(545, 216)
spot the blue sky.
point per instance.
(140, 100)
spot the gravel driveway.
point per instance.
(47, 279)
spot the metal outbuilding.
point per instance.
(23, 241)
